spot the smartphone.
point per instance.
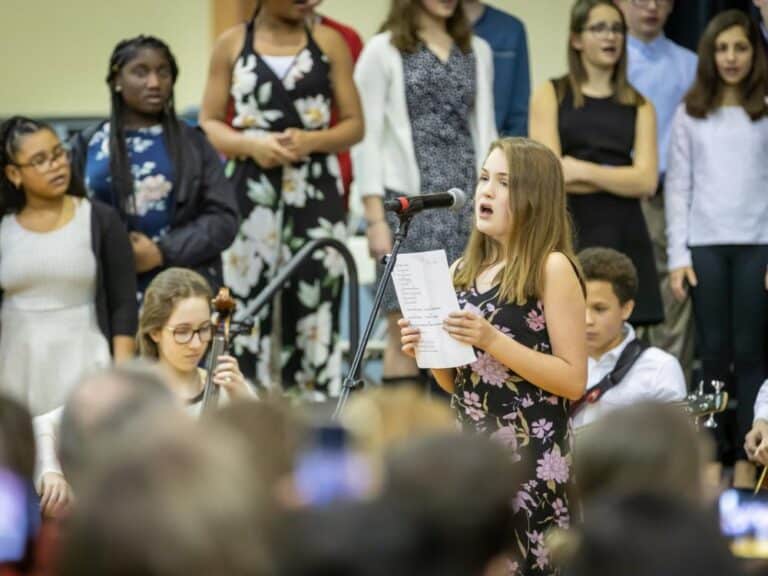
(744, 521)
(328, 470)
(14, 517)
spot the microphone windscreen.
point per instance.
(459, 198)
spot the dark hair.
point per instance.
(623, 92)
(649, 535)
(707, 90)
(12, 131)
(17, 438)
(119, 165)
(612, 266)
(401, 22)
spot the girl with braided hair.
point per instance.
(162, 176)
(66, 297)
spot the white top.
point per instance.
(761, 403)
(716, 189)
(386, 157)
(279, 64)
(655, 376)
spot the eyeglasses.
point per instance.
(183, 334)
(603, 29)
(45, 162)
(647, 3)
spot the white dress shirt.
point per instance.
(761, 403)
(655, 376)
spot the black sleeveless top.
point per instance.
(602, 131)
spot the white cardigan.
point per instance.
(386, 158)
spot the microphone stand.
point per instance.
(353, 379)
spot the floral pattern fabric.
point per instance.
(283, 208)
(149, 211)
(532, 423)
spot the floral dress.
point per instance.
(283, 208)
(150, 207)
(531, 422)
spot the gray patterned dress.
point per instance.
(440, 98)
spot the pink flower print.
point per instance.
(526, 401)
(535, 320)
(472, 406)
(552, 466)
(469, 307)
(552, 400)
(490, 370)
(542, 557)
(507, 437)
(535, 537)
(523, 501)
(562, 516)
(542, 429)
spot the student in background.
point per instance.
(716, 210)
(511, 69)
(756, 440)
(161, 175)
(649, 374)
(663, 72)
(427, 92)
(605, 133)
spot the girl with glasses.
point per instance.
(605, 133)
(66, 277)
(175, 329)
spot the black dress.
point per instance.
(530, 422)
(603, 132)
(282, 209)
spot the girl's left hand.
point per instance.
(572, 169)
(299, 142)
(229, 377)
(471, 329)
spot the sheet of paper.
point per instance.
(425, 292)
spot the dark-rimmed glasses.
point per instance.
(183, 334)
(45, 162)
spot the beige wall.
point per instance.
(55, 52)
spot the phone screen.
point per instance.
(14, 517)
(328, 471)
(744, 521)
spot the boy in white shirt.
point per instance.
(621, 370)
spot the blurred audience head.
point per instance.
(33, 163)
(381, 418)
(176, 499)
(642, 534)
(106, 405)
(731, 55)
(611, 281)
(647, 447)
(17, 438)
(456, 490)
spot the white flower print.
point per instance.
(315, 111)
(150, 193)
(333, 261)
(294, 188)
(261, 228)
(314, 335)
(260, 191)
(138, 144)
(332, 163)
(301, 66)
(249, 115)
(263, 366)
(244, 77)
(242, 267)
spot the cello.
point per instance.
(223, 308)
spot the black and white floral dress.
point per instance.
(282, 208)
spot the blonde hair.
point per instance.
(165, 291)
(540, 224)
(402, 23)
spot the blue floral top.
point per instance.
(150, 211)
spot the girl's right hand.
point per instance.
(268, 152)
(379, 239)
(680, 279)
(409, 337)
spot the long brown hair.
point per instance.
(165, 291)
(540, 223)
(623, 92)
(707, 90)
(402, 22)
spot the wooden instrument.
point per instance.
(223, 309)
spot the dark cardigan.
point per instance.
(116, 308)
(205, 216)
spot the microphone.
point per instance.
(453, 199)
